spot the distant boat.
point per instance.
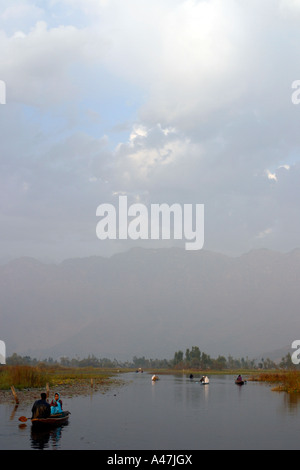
(240, 382)
(204, 380)
(155, 378)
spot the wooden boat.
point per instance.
(53, 420)
(240, 382)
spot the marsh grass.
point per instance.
(22, 377)
(29, 377)
(288, 381)
(70, 376)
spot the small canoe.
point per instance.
(53, 420)
(240, 382)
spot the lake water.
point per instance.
(174, 413)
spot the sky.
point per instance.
(173, 101)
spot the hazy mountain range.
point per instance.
(151, 303)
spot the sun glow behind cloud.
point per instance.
(176, 101)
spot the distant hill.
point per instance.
(151, 303)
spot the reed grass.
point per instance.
(22, 377)
(29, 377)
(288, 381)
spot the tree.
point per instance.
(187, 357)
(220, 363)
(286, 362)
(178, 358)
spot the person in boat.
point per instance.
(205, 379)
(56, 404)
(41, 408)
(239, 379)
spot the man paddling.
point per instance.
(41, 408)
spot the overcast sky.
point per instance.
(167, 101)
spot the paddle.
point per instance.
(23, 419)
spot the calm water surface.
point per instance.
(172, 414)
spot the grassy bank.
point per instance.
(288, 381)
(22, 377)
(29, 377)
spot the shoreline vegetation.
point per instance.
(23, 378)
(22, 384)
(192, 359)
(282, 381)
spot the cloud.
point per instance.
(36, 66)
(264, 233)
(289, 8)
(272, 176)
(174, 101)
(19, 15)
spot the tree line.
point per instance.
(192, 358)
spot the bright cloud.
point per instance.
(174, 101)
(272, 176)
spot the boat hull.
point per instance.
(52, 421)
(240, 382)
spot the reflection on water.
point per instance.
(46, 438)
(13, 412)
(291, 401)
(172, 413)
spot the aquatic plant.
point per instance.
(288, 381)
